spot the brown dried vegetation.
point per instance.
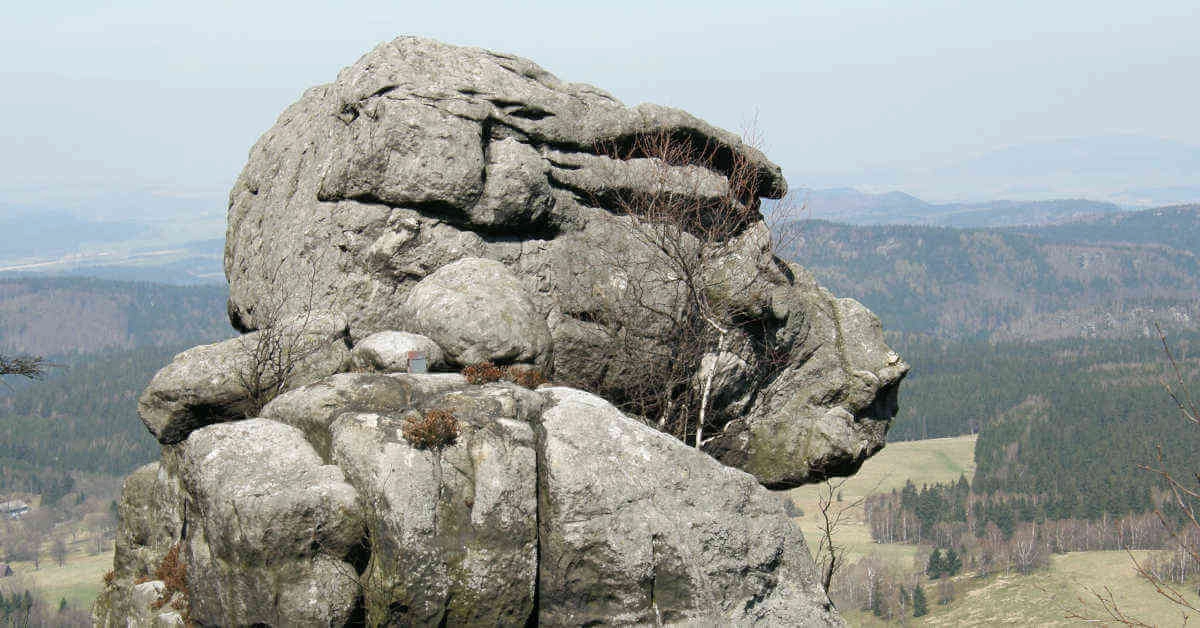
(173, 572)
(482, 373)
(433, 430)
(525, 376)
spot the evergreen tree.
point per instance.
(952, 563)
(936, 566)
(876, 600)
(908, 496)
(919, 604)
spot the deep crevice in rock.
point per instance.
(539, 440)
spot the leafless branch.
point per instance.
(672, 318)
(31, 367)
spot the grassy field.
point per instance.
(1043, 598)
(923, 462)
(1046, 598)
(79, 579)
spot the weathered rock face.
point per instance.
(212, 383)
(478, 311)
(453, 531)
(829, 410)
(457, 202)
(468, 196)
(550, 506)
(639, 530)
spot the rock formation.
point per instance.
(451, 201)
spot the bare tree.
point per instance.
(282, 340)
(830, 555)
(58, 549)
(677, 314)
(30, 367)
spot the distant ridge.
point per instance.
(1102, 276)
(898, 208)
(1177, 226)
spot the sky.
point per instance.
(110, 104)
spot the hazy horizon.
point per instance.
(152, 106)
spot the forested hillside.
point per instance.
(1005, 285)
(82, 419)
(106, 339)
(63, 316)
(1067, 421)
(1041, 340)
(958, 386)
(1177, 226)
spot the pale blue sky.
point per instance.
(103, 100)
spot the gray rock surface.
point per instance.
(151, 521)
(829, 410)
(314, 407)
(150, 513)
(210, 383)
(387, 351)
(472, 197)
(453, 530)
(549, 502)
(638, 528)
(270, 528)
(477, 310)
(143, 609)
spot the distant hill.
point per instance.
(29, 232)
(1176, 226)
(896, 208)
(57, 316)
(1108, 277)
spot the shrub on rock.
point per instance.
(482, 373)
(433, 430)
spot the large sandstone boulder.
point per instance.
(474, 198)
(549, 507)
(221, 381)
(471, 204)
(639, 529)
(270, 528)
(477, 310)
(453, 530)
(830, 409)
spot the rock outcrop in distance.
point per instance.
(453, 201)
